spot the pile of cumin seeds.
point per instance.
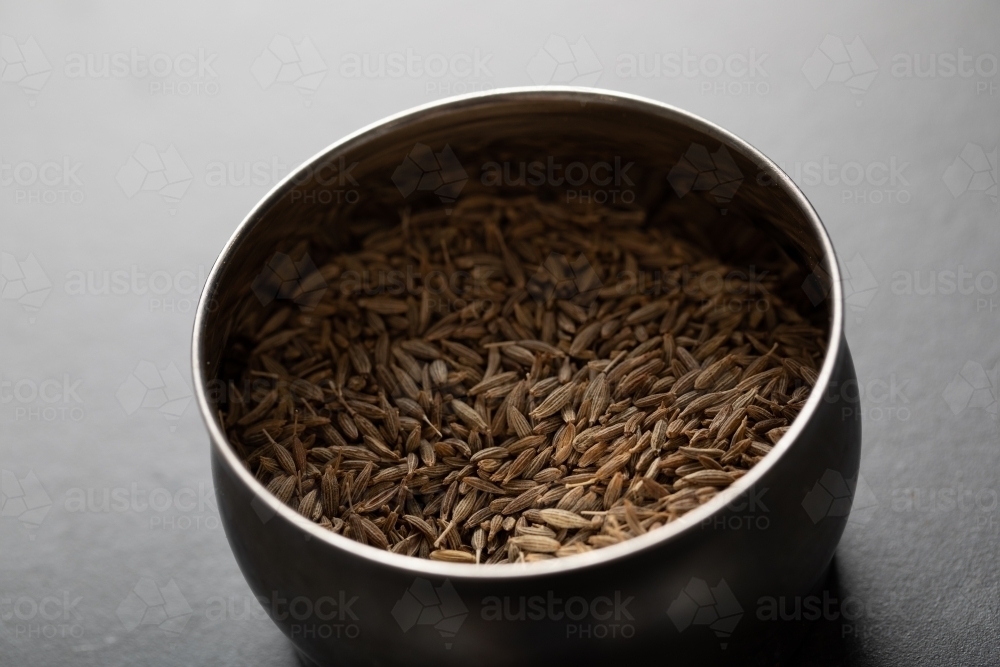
(519, 380)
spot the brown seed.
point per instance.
(648, 312)
(614, 490)
(579, 418)
(463, 508)
(517, 422)
(524, 500)
(452, 556)
(519, 465)
(284, 458)
(422, 526)
(554, 402)
(490, 453)
(707, 478)
(359, 359)
(563, 442)
(474, 482)
(330, 493)
(775, 434)
(384, 305)
(563, 519)
(469, 415)
(584, 338)
(494, 382)
(420, 349)
(536, 543)
(439, 372)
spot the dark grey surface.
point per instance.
(918, 560)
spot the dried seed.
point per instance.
(488, 433)
(554, 402)
(384, 305)
(517, 421)
(584, 338)
(469, 415)
(359, 359)
(452, 556)
(707, 477)
(490, 453)
(524, 500)
(439, 372)
(563, 519)
(536, 543)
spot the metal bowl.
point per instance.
(693, 589)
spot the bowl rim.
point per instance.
(670, 532)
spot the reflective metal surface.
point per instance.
(689, 589)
